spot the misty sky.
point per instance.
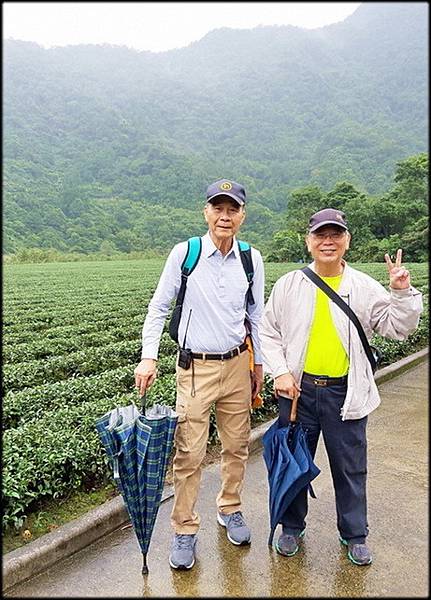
(155, 26)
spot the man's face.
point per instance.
(224, 217)
(328, 244)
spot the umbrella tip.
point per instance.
(144, 565)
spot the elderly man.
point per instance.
(216, 371)
(314, 353)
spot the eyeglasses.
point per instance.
(333, 235)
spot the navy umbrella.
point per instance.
(290, 466)
(138, 446)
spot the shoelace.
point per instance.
(236, 519)
(183, 541)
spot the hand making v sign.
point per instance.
(399, 277)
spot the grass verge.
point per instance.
(51, 514)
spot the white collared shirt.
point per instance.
(215, 295)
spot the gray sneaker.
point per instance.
(288, 544)
(359, 554)
(183, 551)
(236, 529)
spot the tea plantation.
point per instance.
(71, 340)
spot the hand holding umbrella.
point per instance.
(145, 374)
(256, 376)
(286, 385)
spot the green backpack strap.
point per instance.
(247, 263)
(191, 259)
(194, 249)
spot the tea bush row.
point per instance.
(32, 403)
(76, 329)
(77, 364)
(43, 348)
(81, 363)
(55, 318)
(59, 308)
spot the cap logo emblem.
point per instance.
(339, 217)
(226, 186)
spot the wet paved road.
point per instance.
(398, 520)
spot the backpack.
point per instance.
(191, 259)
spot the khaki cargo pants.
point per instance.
(226, 385)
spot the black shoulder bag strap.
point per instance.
(247, 263)
(346, 309)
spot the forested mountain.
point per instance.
(104, 144)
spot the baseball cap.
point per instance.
(327, 216)
(226, 187)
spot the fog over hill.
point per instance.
(107, 143)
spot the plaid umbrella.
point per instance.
(290, 466)
(138, 446)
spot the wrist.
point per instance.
(282, 374)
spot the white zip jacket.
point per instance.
(288, 316)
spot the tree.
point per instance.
(287, 246)
(108, 248)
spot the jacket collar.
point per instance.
(345, 280)
(312, 266)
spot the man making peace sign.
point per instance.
(399, 277)
(314, 353)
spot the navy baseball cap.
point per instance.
(327, 216)
(225, 187)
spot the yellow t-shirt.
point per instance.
(325, 352)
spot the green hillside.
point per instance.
(106, 145)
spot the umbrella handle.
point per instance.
(293, 409)
(143, 402)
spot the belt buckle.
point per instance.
(231, 353)
(320, 382)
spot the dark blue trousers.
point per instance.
(346, 446)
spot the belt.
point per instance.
(323, 380)
(230, 354)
